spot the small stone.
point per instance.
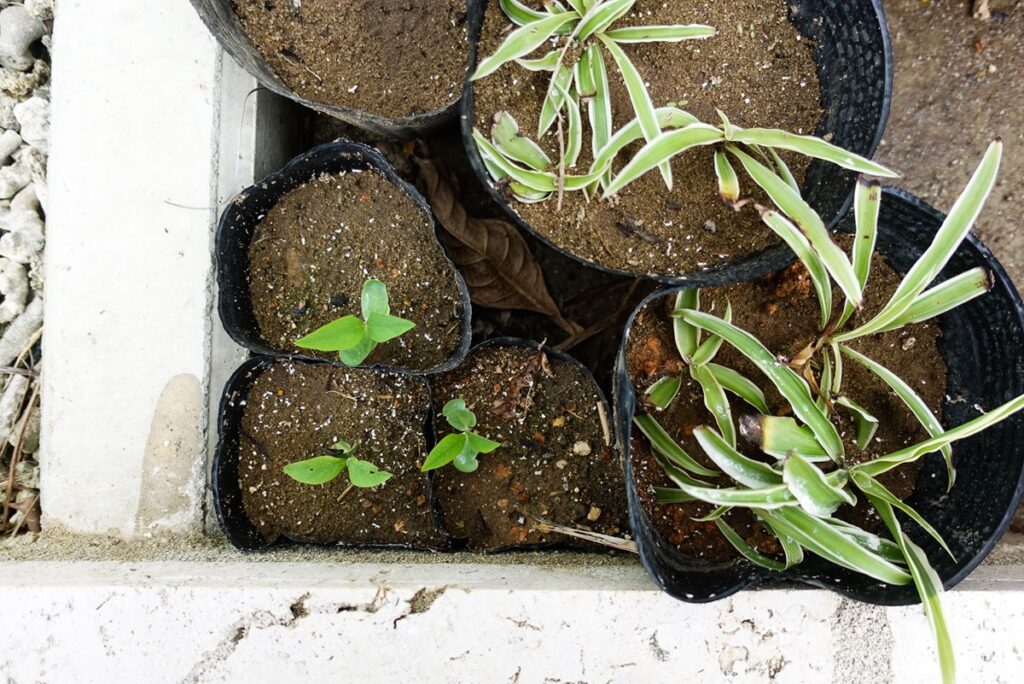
(14, 288)
(24, 238)
(711, 226)
(594, 514)
(40, 9)
(560, 464)
(18, 30)
(33, 116)
(558, 422)
(26, 199)
(908, 343)
(20, 84)
(13, 178)
(10, 141)
(581, 449)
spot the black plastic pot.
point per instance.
(220, 18)
(982, 343)
(505, 342)
(242, 215)
(855, 68)
(227, 494)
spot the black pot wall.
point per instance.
(242, 215)
(221, 20)
(227, 494)
(982, 343)
(854, 65)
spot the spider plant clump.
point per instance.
(579, 37)
(461, 447)
(355, 338)
(802, 477)
(328, 466)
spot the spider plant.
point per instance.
(791, 496)
(578, 36)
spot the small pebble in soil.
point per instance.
(581, 449)
(594, 514)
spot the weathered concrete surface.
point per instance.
(109, 622)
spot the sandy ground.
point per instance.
(959, 83)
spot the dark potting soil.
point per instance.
(295, 411)
(314, 250)
(555, 462)
(392, 58)
(782, 311)
(758, 70)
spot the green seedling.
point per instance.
(330, 465)
(794, 498)
(355, 338)
(461, 447)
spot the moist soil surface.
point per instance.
(758, 70)
(391, 58)
(555, 462)
(782, 311)
(295, 411)
(314, 250)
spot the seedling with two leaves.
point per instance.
(461, 448)
(331, 464)
(355, 338)
(802, 478)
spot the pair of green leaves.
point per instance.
(355, 339)
(462, 447)
(327, 467)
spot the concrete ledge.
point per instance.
(267, 621)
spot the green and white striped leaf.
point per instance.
(747, 551)
(867, 424)
(574, 128)
(945, 296)
(929, 588)
(765, 498)
(837, 359)
(523, 41)
(808, 484)
(535, 180)
(728, 180)
(952, 232)
(820, 538)
(507, 138)
(708, 349)
(797, 242)
(661, 34)
(866, 206)
(661, 150)
(793, 206)
(520, 13)
(662, 393)
(744, 470)
(546, 63)
(777, 436)
(640, 99)
(667, 495)
(713, 515)
(913, 401)
(668, 117)
(809, 146)
(968, 429)
(578, 5)
(744, 388)
(555, 101)
(885, 548)
(599, 107)
(874, 489)
(687, 336)
(603, 15)
(794, 552)
(716, 402)
(662, 443)
(792, 387)
(783, 170)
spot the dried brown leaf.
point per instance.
(492, 256)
